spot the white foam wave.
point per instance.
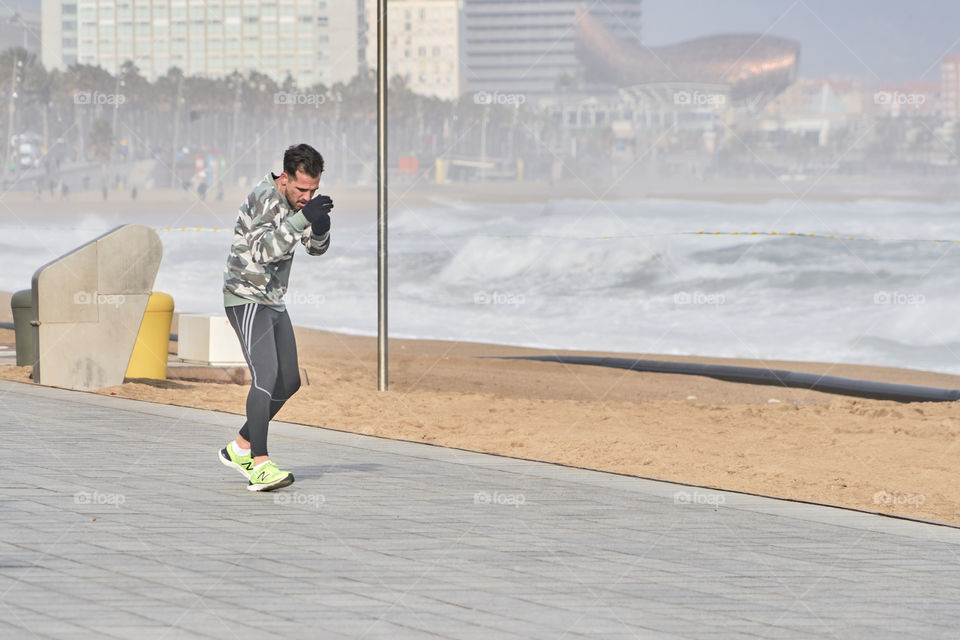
(542, 276)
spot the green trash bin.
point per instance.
(22, 306)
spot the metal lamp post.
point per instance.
(382, 195)
(14, 82)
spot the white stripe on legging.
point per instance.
(242, 330)
(249, 315)
(247, 326)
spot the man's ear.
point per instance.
(283, 178)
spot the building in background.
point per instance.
(58, 29)
(529, 48)
(816, 108)
(950, 88)
(312, 41)
(748, 70)
(423, 44)
(916, 99)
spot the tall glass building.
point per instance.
(525, 47)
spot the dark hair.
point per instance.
(302, 157)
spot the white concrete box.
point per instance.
(207, 339)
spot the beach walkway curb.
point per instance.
(119, 522)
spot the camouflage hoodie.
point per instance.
(264, 240)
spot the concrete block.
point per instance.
(70, 294)
(186, 372)
(92, 362)
(120, 267)
(208, 339)
(88, 305)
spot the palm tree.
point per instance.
(100, 143)
(77, 90)
(134, 89)
(100, 140)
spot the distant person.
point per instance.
(280, 212)
(64, 191)
(202, 190)
(220, 190)
(133, 193)
(105, 192)
(39, 190)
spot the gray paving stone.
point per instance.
(388, 539)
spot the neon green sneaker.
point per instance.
(243, 464)
(268, 477)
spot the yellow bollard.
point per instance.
(149, 357)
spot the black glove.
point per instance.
(317, 212)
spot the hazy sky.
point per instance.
(897, 40)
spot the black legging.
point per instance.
(266, 336)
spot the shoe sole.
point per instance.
(222, 456)
(279, 484)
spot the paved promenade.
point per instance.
(117, 521)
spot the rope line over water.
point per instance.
(748, 234)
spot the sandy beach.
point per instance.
(874, 455)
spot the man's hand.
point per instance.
(317, 212)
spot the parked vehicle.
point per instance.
(28, 149)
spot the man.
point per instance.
(279, 212)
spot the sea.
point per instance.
(867, 282)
